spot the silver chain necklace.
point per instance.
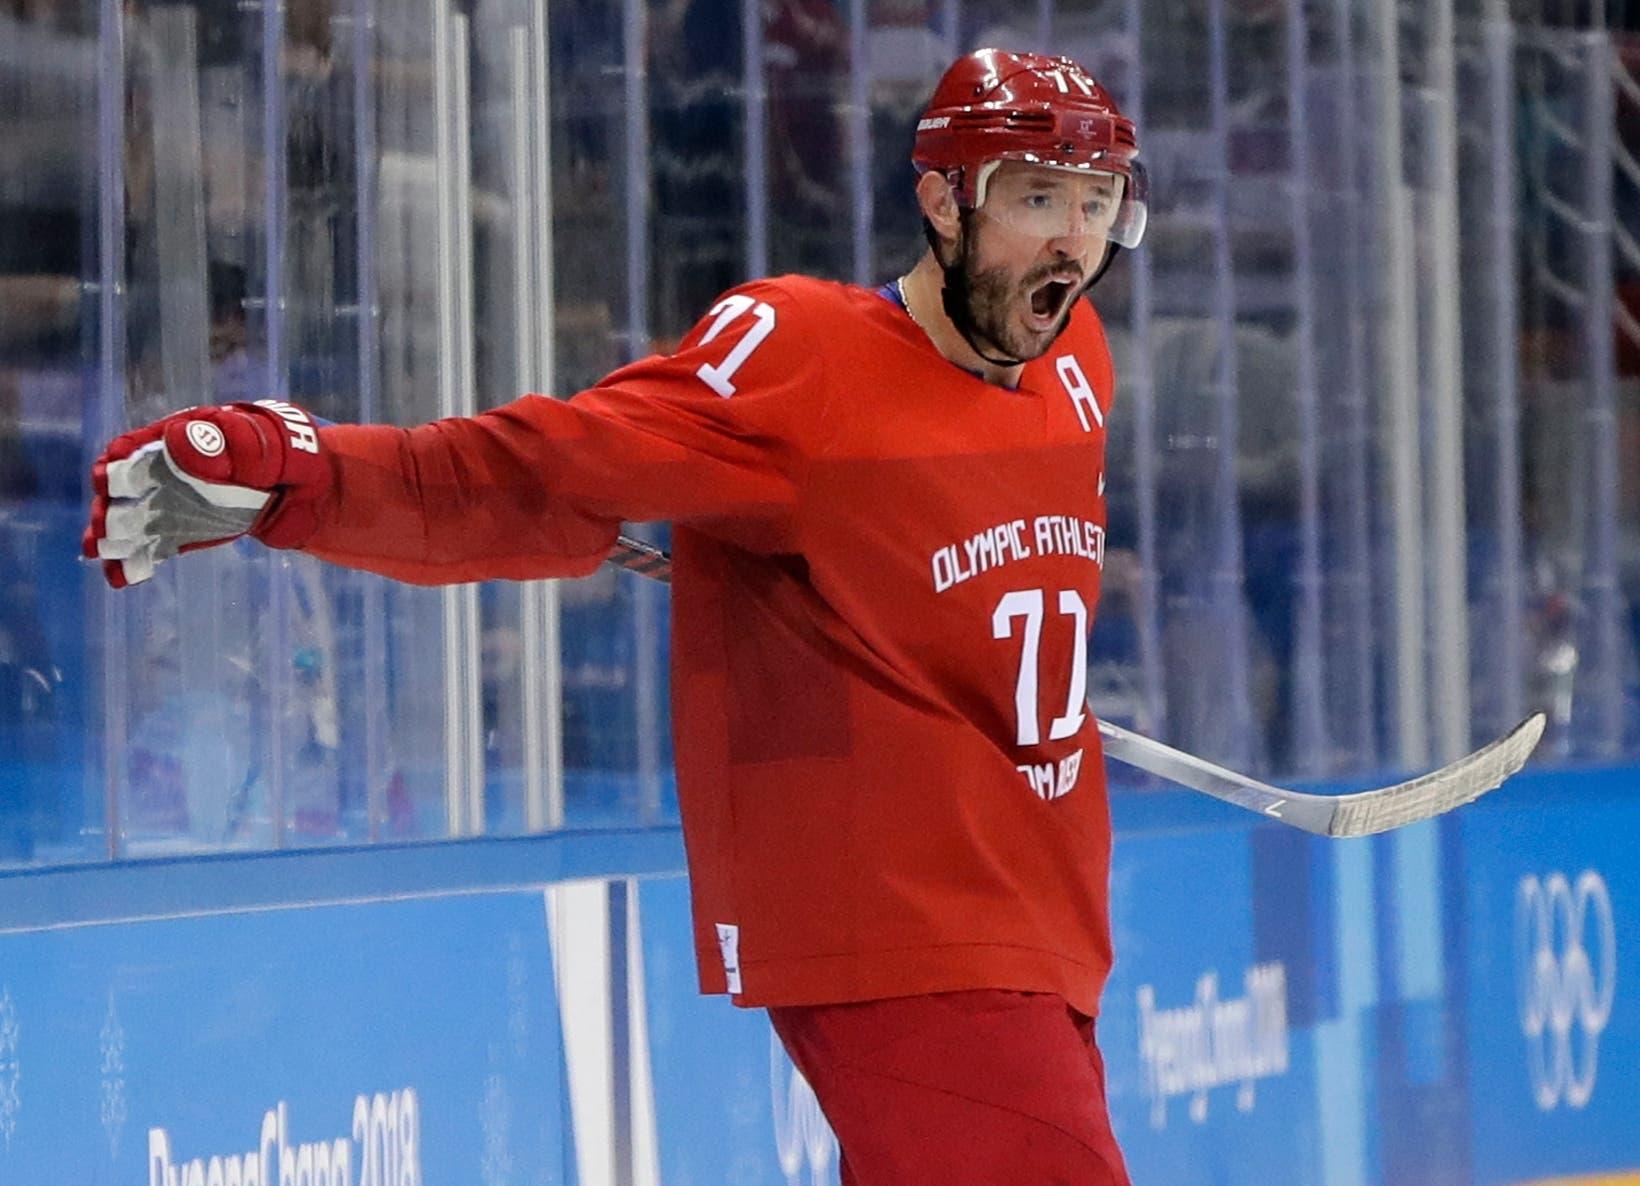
(905, 303)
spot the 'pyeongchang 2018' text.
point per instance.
(386, 1140)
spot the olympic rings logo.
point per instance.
(1566, 969)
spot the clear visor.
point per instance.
(1058, 202)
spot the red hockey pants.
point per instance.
(986, 1088)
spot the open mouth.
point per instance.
(1049, 298)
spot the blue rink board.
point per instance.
(1552, 1008)
(1208, 1078)
(730, 1109)
(417, 1039)
(1269, 1021)
(1266, 1022)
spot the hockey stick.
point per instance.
(1362, 813)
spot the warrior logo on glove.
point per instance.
(206, 437)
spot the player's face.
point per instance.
(1037, 237)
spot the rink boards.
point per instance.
(1455, 1004)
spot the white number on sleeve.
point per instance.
(720, 377)
(1028, 604)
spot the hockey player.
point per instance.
(889, 529)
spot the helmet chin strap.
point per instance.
(1112, 250)
(959, 308)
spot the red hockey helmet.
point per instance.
(993, 106)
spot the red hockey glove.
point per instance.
(202, 477)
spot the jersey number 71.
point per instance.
(720, 376)
(1028, 604)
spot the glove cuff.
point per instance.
(303, 475)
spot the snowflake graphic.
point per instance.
(518, 998)
(11, 1071)
(496, 1120)
(113, 1078)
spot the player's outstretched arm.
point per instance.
(208, 475)
(713, 436)
(539, 487)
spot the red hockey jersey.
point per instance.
(885, 571)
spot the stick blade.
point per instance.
(1366, 813)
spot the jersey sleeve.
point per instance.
(714, 436)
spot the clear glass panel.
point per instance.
(1490, 226)
(1274, 383)
(807, 52)
(426, 355)
(353, 788)
(206, 711)
(697, 98)
(49, 259)
(503, 103)
(1343, 388)
(1568, 397)
(391, 213)
(308, 113)
(1193, 358)
(907, 50)
(605, 315)
(1626, 270)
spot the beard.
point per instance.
(981, 303)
